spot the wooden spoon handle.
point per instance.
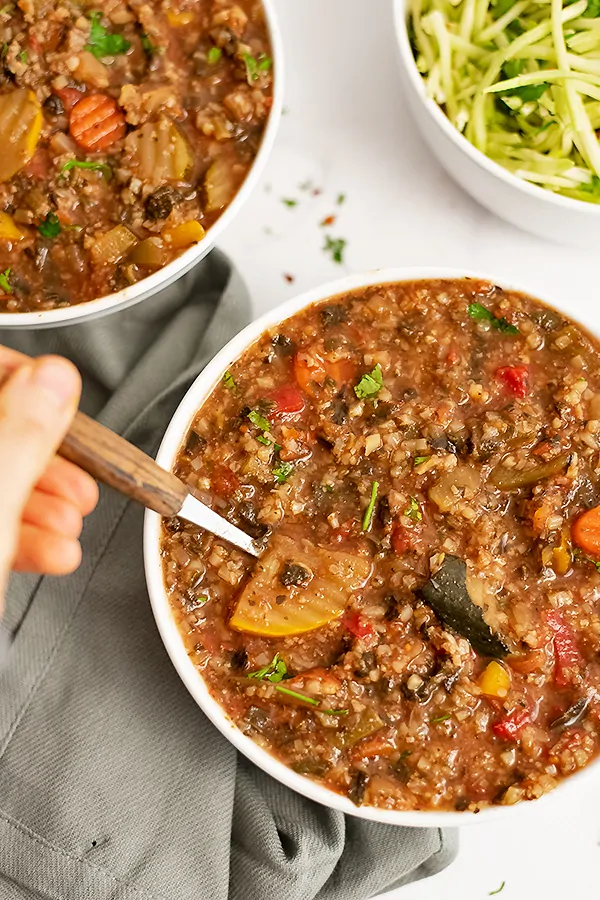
(114, 461)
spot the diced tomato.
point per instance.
(511, 726)
(401, 542)
(69, 97)
(566, 653)
(288, 401)
(343, 531)
(453, 357)
(223, 481)
(515, 379)
(357, 625)
(314, 372)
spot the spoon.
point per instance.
(115, 462)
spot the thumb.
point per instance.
(37, 404)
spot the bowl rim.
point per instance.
(191, 677)
(536, 192)
(168, 274)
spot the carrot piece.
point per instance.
(314, 372)
(97, 122)
(585, 531)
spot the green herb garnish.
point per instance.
(255, 65)
(24, 58)
(296, 695)
(335, 246)
(341, 198)
(443, 718)
(370, 384)
(274, 672)
(481, 314)
(420, 459)
(263, 440)
(368, 516)
(497, 891)
(104, 43)
(84, 164)
(282, 471)
(50, 226)
(5, 284)
(228, 381)
(289, 202)
(214, 55)
(334, 712)
(147, 45)
(202, 599)
(413, 510)
(259, 420)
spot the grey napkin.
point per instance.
(113, 785)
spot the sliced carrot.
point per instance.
(585, 531)
(97, 122)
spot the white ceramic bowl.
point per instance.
(174, 270)
(523, 204)
(172, 441)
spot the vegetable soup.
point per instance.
(421, 461)
(127, 129)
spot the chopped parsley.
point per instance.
(287, 201)
(443, 718)
(335, 246)
(84, 164)
(334, 712)
(5, 284)
(24, 58)
(578, 554)
(259, 420)
(202, 599)
(341, 198)
(147, 45)
(263, 440)
(420, 459)
(296, 695)
(282, 471)
(214, 55)
(104, 43)
(413, 510)
(228, 381)
(482, 314)
(50, 226)
(368, 516)
(274, 672)
(370, 384)
(256, 65)
(497, 891)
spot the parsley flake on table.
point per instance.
(103, 42)
(497, 891)
(282, 471)
(259, 420)
(86, 164)
(214, 55)
(336, 247)
(341, 198)
(370, 384)
(273, 672)
(50, 226)
(288, 201)
(482, 314)
(413, 510)
(368, 516)
(5, 284)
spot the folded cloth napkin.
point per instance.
(113, 784)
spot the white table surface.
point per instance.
(347, 130)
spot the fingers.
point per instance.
(65, 479)
(37, 404)
(53, 514)
(39, 550)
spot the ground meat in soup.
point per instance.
(421, 462)
(127, 128)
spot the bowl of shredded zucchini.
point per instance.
(507, 94)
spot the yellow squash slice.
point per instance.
(272, 606)
(20, 128)
(161, 152)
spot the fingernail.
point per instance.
(57, 379)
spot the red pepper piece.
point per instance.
(515, 379)
(510, 726)
(566, 653)
(354, 622)
(401, 539)
(288, 401)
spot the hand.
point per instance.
(43, 498)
